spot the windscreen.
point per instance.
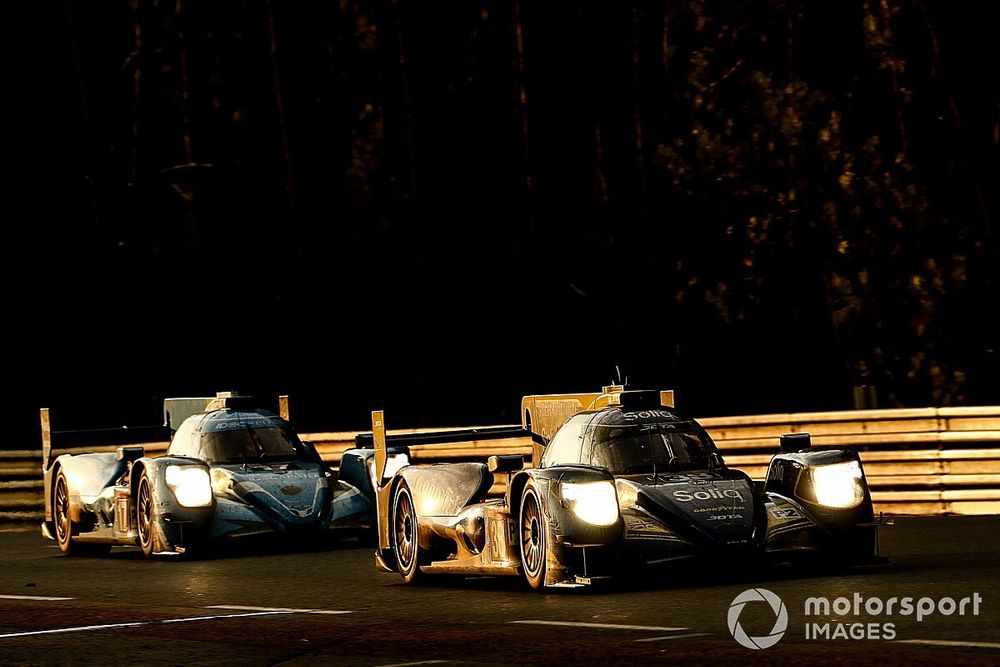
(627, 449)
(251, 444)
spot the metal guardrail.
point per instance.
(918, 461)
(20, 488)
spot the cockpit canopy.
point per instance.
(631, 442)
(233, 436)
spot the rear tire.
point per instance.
(66, 528)
(405, 535)
(534, 544)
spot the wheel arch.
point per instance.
(444, 489)
(52, 474)
(423, 533)
(135, 473)
(397, 479)
(516, 491)
(86, 476)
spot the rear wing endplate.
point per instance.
(381, 483)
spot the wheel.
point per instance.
(533, 541)
(146, 517)
(405, 541)
(60, 511)
(67, 528)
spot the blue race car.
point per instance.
(232, 470)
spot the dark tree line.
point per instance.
(368, 202)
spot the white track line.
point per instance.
(210, 618)
(943, 642)
(419, 662)
(40, 598)
(689, 634)
(84, 628)
(603, 626)
(286, 610)
(81, 628)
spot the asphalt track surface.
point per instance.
(329, 606)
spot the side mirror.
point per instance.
(505, 463)
(129, 454)
(313, 452)
(794, 442)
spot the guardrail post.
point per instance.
(865, 397)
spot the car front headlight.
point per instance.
(594, 502)
(839, 485)
(190, 484)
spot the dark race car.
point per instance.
(620, 478)
(231, 470)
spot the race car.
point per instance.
(232, 469)
(619, 478)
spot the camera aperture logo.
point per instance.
(780, 620)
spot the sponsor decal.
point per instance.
(713, 508)
(707, 494)
(784, 513)
(648, 414)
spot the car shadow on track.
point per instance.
(247, 547)
(677, 576)
(698, 575)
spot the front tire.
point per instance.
(534, 544)
(60, 515)
(405, 535)
(145, 511)
(66, 528)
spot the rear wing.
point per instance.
(95, 437)
(175, 411)
(369, 440)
